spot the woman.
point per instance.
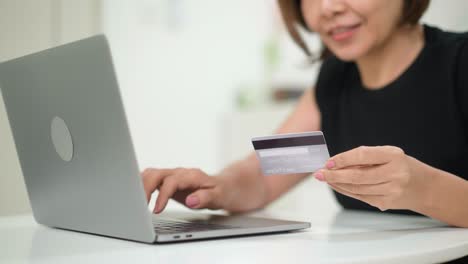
(392, 100)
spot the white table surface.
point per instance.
(335, 237)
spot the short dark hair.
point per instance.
(292, 16)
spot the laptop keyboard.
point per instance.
(165, 226)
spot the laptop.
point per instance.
(77, 157)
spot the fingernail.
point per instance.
(319, 176)
(192, 201)
(330, 164)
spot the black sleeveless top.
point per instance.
(424, 111)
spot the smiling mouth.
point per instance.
(341, 33)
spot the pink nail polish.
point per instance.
(330, 164)
(192, 201)
(319, 176)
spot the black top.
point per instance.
(424, 111)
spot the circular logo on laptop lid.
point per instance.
(61, 139)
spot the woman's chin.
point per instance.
(346, 56)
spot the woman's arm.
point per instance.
(306, 117)
(445, 197)
(239, 187)
(246, 174)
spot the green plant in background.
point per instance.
(244, 96)
(271, 56)
(271, 62)
(251, 95)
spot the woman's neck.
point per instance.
(388, 61)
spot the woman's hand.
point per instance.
(191, 187)
(384, 177)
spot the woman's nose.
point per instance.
(330, 8)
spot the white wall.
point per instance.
(178, 72)
(449, 15)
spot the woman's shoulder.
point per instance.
(448, 45)
(450, 49)
(440, 38)
(446, 51)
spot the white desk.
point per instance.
(343, 237)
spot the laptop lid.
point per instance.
(73, 141)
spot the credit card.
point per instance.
(291, 153)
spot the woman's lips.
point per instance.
(343, 33)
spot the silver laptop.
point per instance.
(76, 154)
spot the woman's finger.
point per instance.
(167, 189)
(365, 189)
(344, 192)
(204, 198)
(373, 200)
(180, 183)
(152, 179)
(364, 156)
(357, 175)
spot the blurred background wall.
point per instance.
(197, 76)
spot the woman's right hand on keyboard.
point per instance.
(191, 187)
